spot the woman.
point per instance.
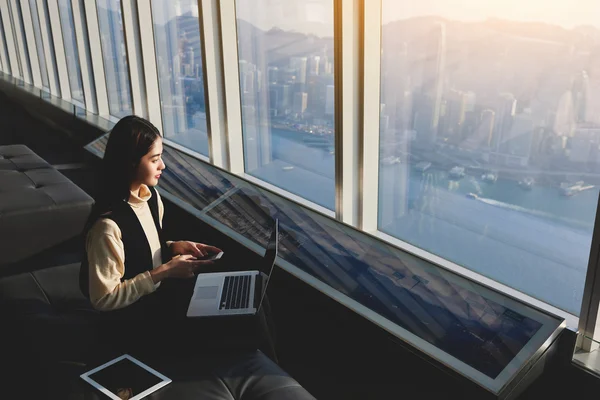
(126, 256)
(128, 263)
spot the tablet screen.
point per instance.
(125, 378)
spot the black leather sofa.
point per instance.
(39, 206)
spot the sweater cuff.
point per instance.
(146, 283)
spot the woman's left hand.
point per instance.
(197, 250)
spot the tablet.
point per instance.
(125, 378)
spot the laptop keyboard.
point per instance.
(236, 292)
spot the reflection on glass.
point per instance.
(39, 46)
(114, 54)
(71, 52)
(490, 141)
(6, 65)
(179, 63)
(287, 94)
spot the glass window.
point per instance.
(11, 23)
(114, 52)
(287, 94)
(490, 140)
(71, 52)
(39, 46)
(6, 65)
(45, 16)
(21, 32)
(179, 64)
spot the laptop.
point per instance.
(234, 293)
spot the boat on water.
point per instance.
(570, 189)
(423, 166)
(490, 177)
(472, 196)
(527, 183)
(390, 160)
(457, 172)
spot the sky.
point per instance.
(566, 13)
(307, 15)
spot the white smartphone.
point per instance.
(212, 257)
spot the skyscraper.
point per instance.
(300, 102)
(330, 100)
(299, 65)
(429, 101)
(518, 139)
(315, 65)
(505, 109)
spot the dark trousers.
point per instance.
(157, 326)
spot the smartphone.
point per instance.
(212, 257)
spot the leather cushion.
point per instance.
(39, 207)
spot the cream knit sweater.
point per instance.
(106, 257)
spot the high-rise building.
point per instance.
(300, 102)
(330, 100)
(427, 111)
(517, 140)
(272, 74)
(506, 106)
(580, 90)
(584, 145)
(565, 119)
(315, 65)
(453, 114)
(299, 65)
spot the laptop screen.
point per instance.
(269, 259)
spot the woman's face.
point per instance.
(151, 166)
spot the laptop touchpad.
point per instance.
(206, 292)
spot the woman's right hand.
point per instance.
(179, 267)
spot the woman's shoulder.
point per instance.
(105, 226)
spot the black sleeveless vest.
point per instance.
(138, 256)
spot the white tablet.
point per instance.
(125, 378)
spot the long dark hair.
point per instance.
(130, 140)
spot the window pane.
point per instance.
(287, 94)
(46, 17)
(14, 33)
(114, 53)
(21, 33)
(490, 141)
(5, 47)
(179, 63)
(39, 46)
(71, 51)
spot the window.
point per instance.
(11, 25)
(71, 52)
(285, 53)
(179, 66)
(114, 54)
(490, 142)
(39, 46)
(51, 61)
(22, 43)
(6, 64)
